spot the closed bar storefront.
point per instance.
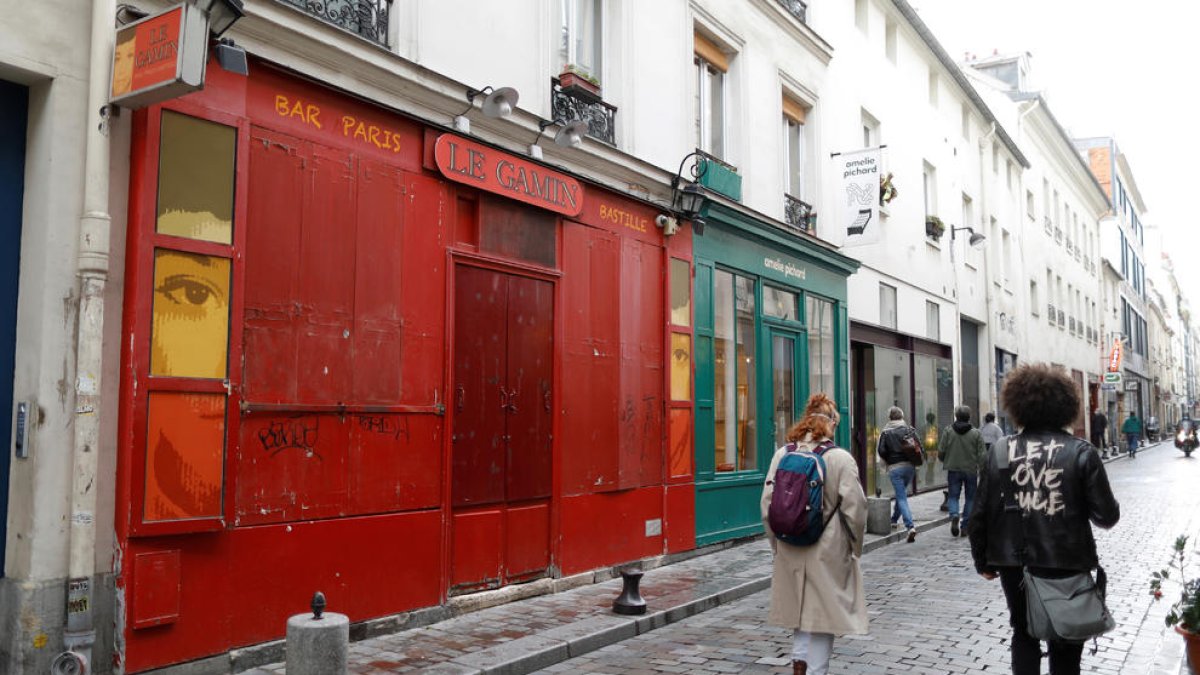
(770, 329)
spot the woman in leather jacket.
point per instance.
(1038, 512)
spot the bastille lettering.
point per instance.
(472, 163)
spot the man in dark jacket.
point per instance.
(900, 470)
(1039, 494)
(962, 452)
(1099, 429)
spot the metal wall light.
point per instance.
(688, 200)
(569, 136)
(976, 240)
(498, 103)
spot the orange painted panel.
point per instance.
(680, 448)
(184, 456)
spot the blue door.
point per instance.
(14, 104)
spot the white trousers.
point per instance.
(814, 649)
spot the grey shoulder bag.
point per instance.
(1067, 609)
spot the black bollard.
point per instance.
(318, 604)
(630, 601)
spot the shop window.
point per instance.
(821, 346)
(185, 453)
(779, 303)
(513, 230)
(681, 367)
(681, 292)
(734, 364)
(195, 179)
(189, 335)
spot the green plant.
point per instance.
(934, 226)
(1185, 613)
(887, 191)
(581, 73)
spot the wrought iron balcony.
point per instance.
(799, 214)
(569, 104)
(365, 18)
(797, 8)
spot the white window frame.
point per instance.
(569, 23)
(933, 320)
(794, 157)
(887, 293)
(704, 72)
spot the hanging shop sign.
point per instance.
(1114, 359)
(159, 57)
(858, 197)
(486, 168)
(1112, 378)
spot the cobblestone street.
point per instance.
(930, 612)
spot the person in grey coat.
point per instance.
(990, 431)
(817, 590)
(962, 452)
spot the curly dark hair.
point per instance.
(1040, 397)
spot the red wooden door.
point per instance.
(501, 461)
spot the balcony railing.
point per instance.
(1048, 225)
(1062, 319)
(1051, 313)
(796, 8)
(799, 214)
(365, 18)
(570, 105)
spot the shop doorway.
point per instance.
(785, 357)
(501, 431)
(14, 106)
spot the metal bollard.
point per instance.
(630, 601)
(318, 644)
(879, 512)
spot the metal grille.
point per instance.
(601, 117)
(799, 214)
(365, 18)
(796, 8)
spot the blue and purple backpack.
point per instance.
(795, 514)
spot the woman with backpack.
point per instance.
(817, 589)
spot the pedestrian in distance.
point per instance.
(1039, 494)
(962, 451)
(900, 471)
(990, 431)
(817, 590)
(1099, 429)
(1132, 428)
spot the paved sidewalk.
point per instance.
(539, 632)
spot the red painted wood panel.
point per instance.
(395, 462)
(642, 324)
(480, 398)
(590, 292)
(423, 292)
(608, 528)
(679, 522)
(477, 553)
(527, 541)
(275, 209)
(530, 346)
(291, 466)
(326, 270)
(378, 257)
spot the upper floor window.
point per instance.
(794, 156)
(579, 45)
(929, 183)
(889, 41)
(870, 130)
(887, 306)
(711, 66)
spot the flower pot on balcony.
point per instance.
(934, 228)
(1191, 642)
(577, 84)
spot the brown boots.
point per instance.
(799, 667)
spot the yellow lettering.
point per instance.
(360, 130)
(281, 105)
(313, 114)
(375, 136)
(347, 122)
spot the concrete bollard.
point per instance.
(879, 515)
(318, 643)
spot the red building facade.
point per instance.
(365, 356)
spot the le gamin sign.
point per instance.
(159, 57)
(471, 163)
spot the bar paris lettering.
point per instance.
(349, 125)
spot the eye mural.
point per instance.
(190, 324)
(185, 448)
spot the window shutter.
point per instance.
(709, 51)
(794, 110)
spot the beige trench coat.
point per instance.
(819, 588)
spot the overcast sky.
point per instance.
(1107, 68)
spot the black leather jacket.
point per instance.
(1037, 512)
(888, 447)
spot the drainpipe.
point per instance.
(92, 273)
(989, 293)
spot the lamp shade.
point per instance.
(571, 135)
(500, 103)
(222, 14)
(691, 199)
(977, 240)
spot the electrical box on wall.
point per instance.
(24, 415)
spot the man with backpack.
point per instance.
(901, 465)
(962, 451)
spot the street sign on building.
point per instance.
(1112, 378)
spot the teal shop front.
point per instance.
(771, 328)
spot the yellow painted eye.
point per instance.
(181, 289)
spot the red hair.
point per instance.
(820, 419)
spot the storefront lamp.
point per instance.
(976, 240)
(569, 136)
(689, 199)
(222, 14)
(497, 104)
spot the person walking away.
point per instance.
(817, 590)
(1132, 428)
(899, 470)
(990, 431)
(1044, 526)
(1099, 429)
(962, 451)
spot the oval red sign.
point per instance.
(465, 161)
